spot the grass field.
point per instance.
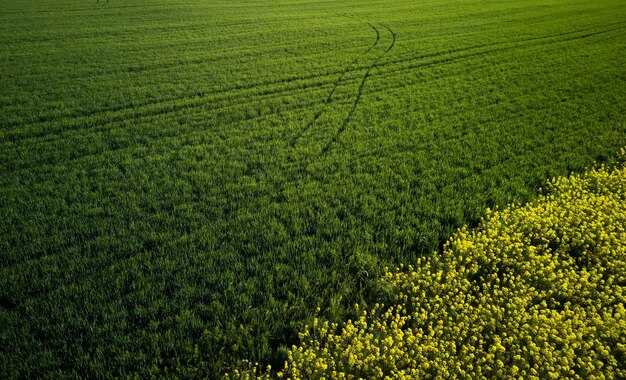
(183, 183)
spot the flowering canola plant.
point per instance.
(537, 291)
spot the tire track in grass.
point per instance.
(329, 98)
(445, 60)
(174, 108)
(42, 119)
(195, 100)
(441, 61)
(360, 92)
(515, 44)
(105, 126)
(16, 130)
(84, 133)
(390, 74)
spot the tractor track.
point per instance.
(77, 121)
(360, 92)
(390, 73)
(329, 98)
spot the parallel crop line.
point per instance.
(257, 86)
(508, 46)
(14, 131)
(385, 74)
(20, 132)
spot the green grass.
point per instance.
(184, 182)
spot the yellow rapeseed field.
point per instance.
(537, 291)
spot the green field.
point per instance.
(182, 183)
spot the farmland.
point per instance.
(183, 183)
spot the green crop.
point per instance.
(184, 182)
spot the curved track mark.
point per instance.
(360, 91)
(39, 127)
(329, 98)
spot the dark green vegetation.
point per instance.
(184, 182)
